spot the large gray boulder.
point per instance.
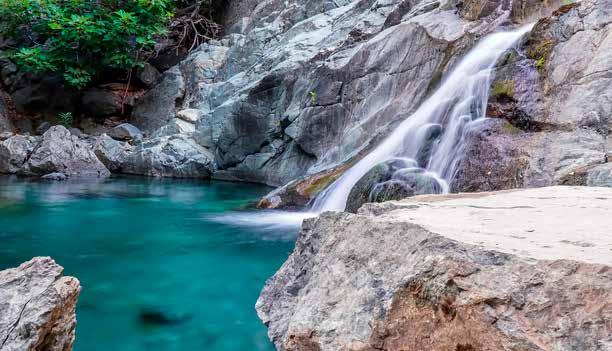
(158, 106)
(37, 307)
(14, 152)
(174, 156)
(112, 153)
(60, 151)
(525, 270)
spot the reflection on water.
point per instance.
(164, 264)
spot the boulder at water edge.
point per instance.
(60, 151)
(37, 307)
(525, 270)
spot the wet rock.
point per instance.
(174, 156)
(37, 307)
(60, 151)
(297, 194)
(493, 159)
(55, 176)
(112, 153)
(388, 191)
(418, 180)
(125, 132)
(430, 135)
(426, 273)
(395, 179)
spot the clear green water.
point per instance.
(149, 245)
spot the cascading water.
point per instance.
(433, 136)
(429, 142)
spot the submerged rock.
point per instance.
(60, 151)
(161, 317)
(37, 307)
(55, 176)
(450, 273)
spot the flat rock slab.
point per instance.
(524, 270)
(552, 223)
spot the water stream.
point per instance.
(446, 116)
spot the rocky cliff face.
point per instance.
(296, 88)
(521, 270)
(37, 307)
(296, 91)
(553, 95)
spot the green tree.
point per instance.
(81, 38)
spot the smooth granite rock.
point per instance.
(525, 270)
(174, 156)
(60, 151)
(37, 307)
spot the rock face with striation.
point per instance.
(37, 307)
(296, 88)
(519, 270)
(554, 99)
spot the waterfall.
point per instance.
(458, 104)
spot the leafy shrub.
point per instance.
(65, 119)
(80, 38)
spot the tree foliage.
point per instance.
(81, 38)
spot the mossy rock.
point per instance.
(503, 89)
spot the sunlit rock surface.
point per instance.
(517, 270)
(37, 307)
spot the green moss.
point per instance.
(510, 129)
(503, 88)
(540, 63)
(313, 98)
(541, 53)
